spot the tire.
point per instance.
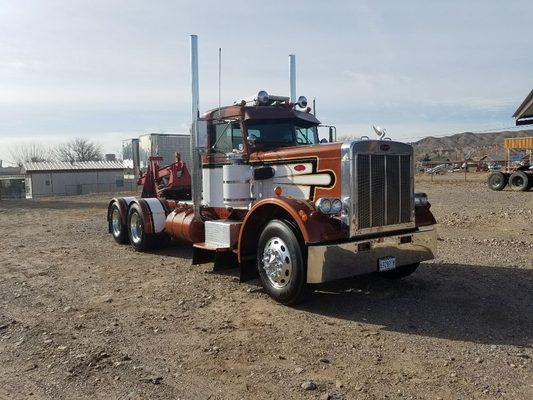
(519, 181)
(400, 272)
(117, 226)
(139, 239)
(281, 263)
(497, 181)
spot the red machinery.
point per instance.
(170, 182)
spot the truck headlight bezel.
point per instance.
(328, 205)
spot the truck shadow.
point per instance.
(491, 305)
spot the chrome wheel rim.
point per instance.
(116, 222)
(277, 262)
(136, 227)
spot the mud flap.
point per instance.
(248, 269)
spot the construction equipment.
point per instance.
(267, 196)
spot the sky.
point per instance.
(112, 69)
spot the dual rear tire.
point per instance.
(133, 230)
(518, 181)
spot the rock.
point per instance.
(298, 370)
(68, 309)
(308, 385)
(479, 360)
(156, 380)
(324, 360)
(338, 384)
(325, 396)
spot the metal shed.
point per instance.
(524, 113)
(64, 178)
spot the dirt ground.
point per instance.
(83, 317)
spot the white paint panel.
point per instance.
(309, 179)
(158, 214)
(288, 169)
(212, 187)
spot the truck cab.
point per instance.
(291, 210)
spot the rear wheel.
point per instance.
(497, 181)
(139, 239)
(400, 272)
(117, 225)
(281, 263)
(519, 181)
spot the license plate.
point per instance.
(386, 263)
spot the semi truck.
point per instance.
(266, 195)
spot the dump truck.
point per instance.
(264, 194)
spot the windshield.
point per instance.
(282, 133)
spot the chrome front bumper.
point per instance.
(336, 261)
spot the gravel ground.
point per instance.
(82, 317)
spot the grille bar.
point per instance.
(383, 185)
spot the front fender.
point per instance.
(312, 226)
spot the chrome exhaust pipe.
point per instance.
(196, 172)
(292, 77)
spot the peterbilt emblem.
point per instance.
(384, 147)
(299, 167)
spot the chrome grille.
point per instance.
(383, 185)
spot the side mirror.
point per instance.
(201, 133)
(251, 140)
(324, 140)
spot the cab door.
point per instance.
(224, 137)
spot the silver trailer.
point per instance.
(164, 145)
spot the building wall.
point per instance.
(66, 183)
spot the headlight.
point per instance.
(329, 206)
(336, 206)
(324, 205)
(421, 199)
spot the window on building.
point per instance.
(120, 182)
(47, 182)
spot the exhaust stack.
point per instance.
(292, 77)
(195, 154)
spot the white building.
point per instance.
(65, 178)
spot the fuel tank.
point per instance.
(181, 224)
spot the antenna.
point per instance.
(219, 79)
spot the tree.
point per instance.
(29, 152)
(79, 149)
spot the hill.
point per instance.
(455, 147)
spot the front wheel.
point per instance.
(281, 263)
(400, 272)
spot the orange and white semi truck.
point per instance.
(270, 197)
